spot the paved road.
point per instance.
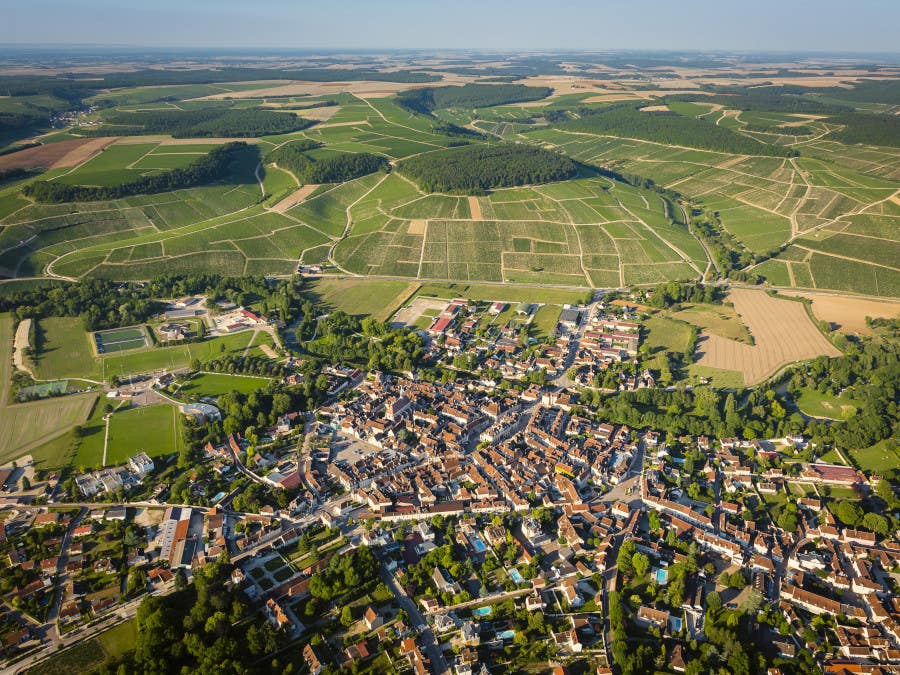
(426, 637)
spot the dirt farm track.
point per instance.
(781, 329)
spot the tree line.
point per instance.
(669, 129)
(213, 166)
(309, 169)
(208, 122)
(427, 99)
(473, 169)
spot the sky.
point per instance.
(683, 25)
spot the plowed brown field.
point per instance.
(782, 331)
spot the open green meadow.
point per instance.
(64, 350)
(373, 297)
(817, 404)
(879, 458)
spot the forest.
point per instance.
(469, 96)
(867, 128)
(668, 129)
(309, 169)
(73, 86)
(473, 169)
(213, 166)
(783, 99)
(206, 122)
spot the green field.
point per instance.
(719, 319)
(64, 350)
(128, 432)
(879, 458)
(666, 334)
(374, 297)
(88, 655)
(162, 358)
(215, 384)
(818, 404)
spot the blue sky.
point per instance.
(688, 25)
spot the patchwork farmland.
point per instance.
(826, 219)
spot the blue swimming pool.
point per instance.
(661, 575)
(479, 546)
(507, 635)
(515, 575)
(218, 497)
(482, 611)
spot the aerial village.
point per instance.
(491, 520)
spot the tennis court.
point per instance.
(120, 339)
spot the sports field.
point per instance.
(128, 432)
(170, 358)
(216, 384)
(120, 339)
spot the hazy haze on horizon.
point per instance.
(691, 25)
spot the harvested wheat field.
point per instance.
(294, 198)
(781, 329)
(56, 155)
(475, 208)
(849, 313)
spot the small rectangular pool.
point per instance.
(482, 611)
(515, 575)
(218, 498)
(479, 545)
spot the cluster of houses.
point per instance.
(111, 479)
(446, 448)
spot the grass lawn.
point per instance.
(89, 450)
(673, 336)
(718, 319)
(64, 350)
(7, 331)
(179, 356)
(818, 404)
(545, 319)
(831, 457)
(215, 384)
(880, 457)
(720, 379)
(376, 298)
(154, 429)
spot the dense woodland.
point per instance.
(214, 166)
(782, 99)
(209, 122)
(469, 96)
(473, 169)
(669, 129)
(867, 128)
(308, 169)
